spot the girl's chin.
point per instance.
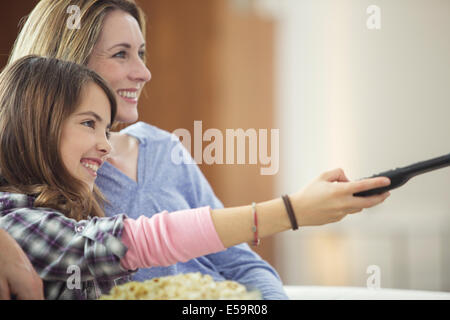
(89, 185)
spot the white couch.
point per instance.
(360, 293)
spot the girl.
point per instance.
(55, 119)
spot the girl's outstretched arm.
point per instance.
(329, 198)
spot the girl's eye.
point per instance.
(142, 54)
(89, 123)
(108, 134)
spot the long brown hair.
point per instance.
(36, 95)
(46, 31)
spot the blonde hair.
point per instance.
(46, 31)
(36, 95)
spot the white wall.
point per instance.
(367, 101)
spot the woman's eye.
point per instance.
(120, 54)
(108, 134)
(142, 54)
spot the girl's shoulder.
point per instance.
(10, 201)
(19, 209)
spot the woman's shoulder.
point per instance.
(165, 149)
(147, 133)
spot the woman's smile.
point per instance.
(129, 95)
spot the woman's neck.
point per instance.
(124, 154)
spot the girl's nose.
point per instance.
(104, 146)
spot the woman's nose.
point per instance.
(140, 72)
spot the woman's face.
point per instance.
(118, 58)
(84, 142)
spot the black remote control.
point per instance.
(400, 176)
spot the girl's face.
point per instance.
(84, 142)
(118, 58)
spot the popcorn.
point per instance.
(191, 286)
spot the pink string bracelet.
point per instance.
(256, 240)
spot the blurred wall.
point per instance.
(366, 100)
(213, 61)
(10, 21)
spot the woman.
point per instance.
(140, 177)
(18, 279)
(55, 118)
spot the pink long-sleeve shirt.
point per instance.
(168, 238)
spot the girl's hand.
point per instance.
(329, 198)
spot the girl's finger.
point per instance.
(369, 202)
(368, 184)
(336, 175)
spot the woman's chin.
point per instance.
(127, 117)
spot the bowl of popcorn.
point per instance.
(191, 286)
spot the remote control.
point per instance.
(400, 176)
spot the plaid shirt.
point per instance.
(75, 259)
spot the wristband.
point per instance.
(290, 212)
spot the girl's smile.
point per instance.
(91, 165)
